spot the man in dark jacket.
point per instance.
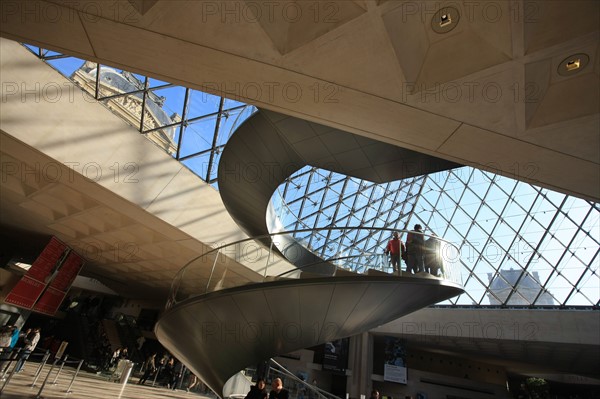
(277, 391)
(414, 248)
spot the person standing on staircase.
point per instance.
(415, 242)
(395, 249)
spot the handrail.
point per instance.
(320, 392)
(330, 260)
(236, 258)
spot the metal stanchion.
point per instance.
(39, 395)
(126, 372)
(39, 370)
(12, 372)
(38, 373)
(180, 382)
(60, 369)
(74, 376)
(156, 375)
(3, 365)
(42, 364)
(13, 356)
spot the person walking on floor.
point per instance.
(150, 369)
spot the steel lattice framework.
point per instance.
(521, 245)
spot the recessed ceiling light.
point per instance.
(573, 64)
(445, 19)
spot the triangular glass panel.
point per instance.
(198, 137)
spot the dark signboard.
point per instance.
(335, 355)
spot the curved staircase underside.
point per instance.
(269, 147)
(218, 334)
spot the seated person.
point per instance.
(277, 391)
(258, 391)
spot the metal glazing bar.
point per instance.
(161, 127)
(97, 93)
(144, 96)
(471, 272)
(55, 57)
(215, 137)
(537, 248)
(558, 262)
(194, 155)
(128, 93)
(183, 123)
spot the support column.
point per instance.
(361, 363)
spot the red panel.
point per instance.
(25, 293)
(67, 273)
(46, 262)
(50, 301)
(60, 284)
(50, 267)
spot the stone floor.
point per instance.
(86, 386)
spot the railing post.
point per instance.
(213, 269)
(12, 372)
(39, 370)
(156, 373)
(39, 395)
(60, 369)
(74, 376)
(268, 258)
(13, 356)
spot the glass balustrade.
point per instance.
(281, 256)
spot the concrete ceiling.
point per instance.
(474, 83)
(131, 251)
(79, 172)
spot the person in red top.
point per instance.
(395, 248)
